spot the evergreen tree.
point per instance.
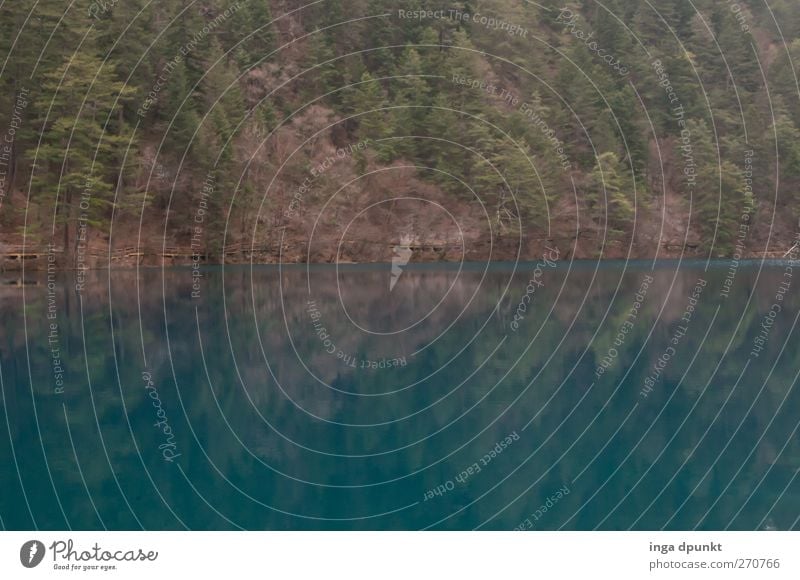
(77, 152)
(519, 167)
(324, 73)
(610, 195)
(783, 83)
(788, 162)
(412, 96)
(369, 96)
(177, 113)
(250, 26)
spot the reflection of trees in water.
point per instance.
(366, 293)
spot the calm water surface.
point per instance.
(612, 396)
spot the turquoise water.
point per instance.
(583, 396)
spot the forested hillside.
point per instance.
(336, 130)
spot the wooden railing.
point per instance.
(18, 252)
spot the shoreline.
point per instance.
(21, 258)
(470, 265)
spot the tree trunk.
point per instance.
(68, 249)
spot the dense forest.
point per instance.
(335, 130)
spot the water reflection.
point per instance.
(326, 399)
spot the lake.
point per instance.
(576, 396)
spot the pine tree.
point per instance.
(41, 32)
(519, 167)
(412, 96)
(610, 195)
(324, 72)
(733, 201)
(375, 125)
(176, 109)
(250, 26)
(736, 45)
(124, 33)
(631, 132)
(788, 161)
(714, 190)
(380, 34)
(77, 152)
(782, 81)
